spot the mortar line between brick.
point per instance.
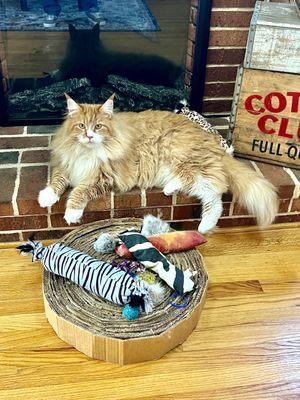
(227, 28)
(57, 228)
(217, 98)
(143, 198)
(290, 204)
(17, 185)
(227, 48)
(231, 208)
(295, 180)
(174, 199)
(21, 237)
(172, 213)
(208, 114)
(219, 82)
(37, 148)
(24, 149)
(288, 213)
(2, 166)
(29, 135)
(221, 128)
(231, 9)
(257, 169)
(48, 208)
(112, 204)
(221, 65)
(25, 130)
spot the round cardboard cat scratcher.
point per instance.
(98, 329)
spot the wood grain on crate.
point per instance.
(265, 116)
(274, 38)
(246, 345)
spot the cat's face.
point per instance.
(90, 124)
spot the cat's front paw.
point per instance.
(47, 197)
(72, 215)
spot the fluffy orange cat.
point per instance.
(96, 150)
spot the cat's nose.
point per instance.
(90, 134)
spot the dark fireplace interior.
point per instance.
(139, 54)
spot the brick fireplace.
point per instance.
(25, 150)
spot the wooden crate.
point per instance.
(274, 38)
(265, 117)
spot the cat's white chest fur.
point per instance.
(83, 167)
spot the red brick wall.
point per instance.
(230, 22)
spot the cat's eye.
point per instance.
(81, 126)
(98, 126)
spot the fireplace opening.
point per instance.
(137, 49)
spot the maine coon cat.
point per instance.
(96, 150)
(87, 57)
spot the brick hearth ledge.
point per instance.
(24, 170)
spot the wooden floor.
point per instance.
(246, 346)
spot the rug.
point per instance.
(121, 15)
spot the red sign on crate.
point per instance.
(267, 117)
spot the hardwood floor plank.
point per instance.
(168, 382)
(19, 306)
(238, 240)
(275, 266)
(229, 289)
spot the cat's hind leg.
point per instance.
(211, 198)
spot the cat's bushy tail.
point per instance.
(252, 191)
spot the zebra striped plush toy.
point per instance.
(98, 277)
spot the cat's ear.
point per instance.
(72, 106)
(108, 106)
(96, 30)
(72, 31)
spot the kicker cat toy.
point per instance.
(182, 108)
(96, 276)
(158, 233)
(144, 252)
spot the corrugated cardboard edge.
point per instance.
(127, 351)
